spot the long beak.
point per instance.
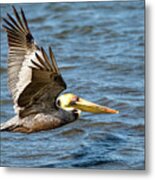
(87, 106)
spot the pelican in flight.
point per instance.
(35, 83)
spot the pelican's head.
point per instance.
(70, 102)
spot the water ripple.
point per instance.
(99, 47)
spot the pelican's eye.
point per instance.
(75, 99)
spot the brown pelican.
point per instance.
(35, 83)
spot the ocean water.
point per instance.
(99, 47)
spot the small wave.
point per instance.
(105, 137)
(139, 127)
(72, 132)
(37, 19)
(102, 164)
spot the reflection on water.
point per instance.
(99, 47)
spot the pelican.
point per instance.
(35, 83)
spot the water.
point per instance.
(99, 47)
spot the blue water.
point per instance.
(99, 47)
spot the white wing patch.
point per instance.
(25, 76)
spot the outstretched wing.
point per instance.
(21, 47)
(46, 84)
(32, 78)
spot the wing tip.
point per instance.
(54, 63)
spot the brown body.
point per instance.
(39, 122)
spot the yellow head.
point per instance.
(71, 102)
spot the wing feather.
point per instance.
(42, 62)
(34, 80)
(53, 60)
(20, 43)
(46, 59)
